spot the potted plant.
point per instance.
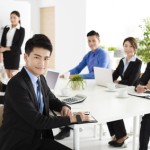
(111, 50)
(144, 43)
(76, 82)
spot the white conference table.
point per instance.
(105, 107)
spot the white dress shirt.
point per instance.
(10, 34)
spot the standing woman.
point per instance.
(129, 70)
(11, 42)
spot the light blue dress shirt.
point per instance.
(101, 59)
(34, 83)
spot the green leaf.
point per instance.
(144, 43)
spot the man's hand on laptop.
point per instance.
(79, 117)
(65, 111)
(141, 88)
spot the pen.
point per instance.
(86, 112)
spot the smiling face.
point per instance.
(14, 19)
(93, 42)
(37, 60)
(129, 49)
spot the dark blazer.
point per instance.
(17, 39)
(23, 126)
(132, 73)
(146, 76)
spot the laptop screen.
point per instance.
(51, 78)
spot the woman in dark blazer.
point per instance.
(11, 42)
(129, 70)
(145, 124)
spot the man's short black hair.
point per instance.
(92, 33)
(39, 41)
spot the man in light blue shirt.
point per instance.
(96, 57)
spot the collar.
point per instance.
(17, 27)
(32, 76)
(95, 51)
(133, 59)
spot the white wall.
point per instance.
(116, 19)
(46, 3)
(34, 15)
(70, 34)
(24, 9)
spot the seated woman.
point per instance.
(129, 70)
(142, 87)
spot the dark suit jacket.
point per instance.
(132, 73)
(146, 76)
(17, 39)
(23, 126)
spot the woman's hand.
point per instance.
(141, 88)
(3, 49)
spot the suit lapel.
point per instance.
(30, 87)
(16, 35)
(7, 29)
(121, 68)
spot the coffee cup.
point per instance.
(65, 92)
(111, 86)
(122, 92)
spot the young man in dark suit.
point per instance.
(26, 121)
(145, 124)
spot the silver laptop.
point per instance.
(51, 78)
(104, 76)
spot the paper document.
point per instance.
(143, 95)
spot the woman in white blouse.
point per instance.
(128, 70)
(11, 42)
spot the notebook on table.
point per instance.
(51, 78)
(142, 95)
